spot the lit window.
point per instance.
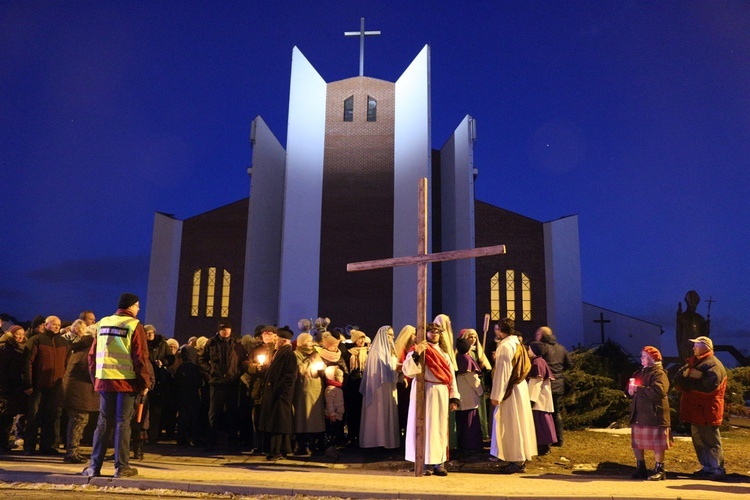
(349, 109)
(372, 109)
(525, 297)
(225, 294)
(196, 293)
(210, 290)
(510, 294)
(495, 297)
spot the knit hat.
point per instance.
(173, 342)
(653, 352)
(13, 329)
(38, 320)
(330, 341)
(303, 338)
(356, 335)
(284, 332)
(127, 300)
(334, 373)
(224, 324)
(705, 341)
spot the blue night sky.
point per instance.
(634, 115)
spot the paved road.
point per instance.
(245, 474)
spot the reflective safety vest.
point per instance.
(113, 344)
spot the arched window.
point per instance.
(196, 293)
(510, 294)
(372, 109)
(495, 297)
(349, 109)
(525, 297)
(513, 295)
(210, 291)
(225, 294)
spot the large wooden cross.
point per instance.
(421, 260)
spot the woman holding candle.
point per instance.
(649, 414)
(309, 399)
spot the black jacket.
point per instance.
(223, 360)
(558, 359)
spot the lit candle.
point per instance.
(262, 359)
(317, 366)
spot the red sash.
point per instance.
(438, 365)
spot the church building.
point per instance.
(344, 189)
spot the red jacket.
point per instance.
(45, 355)
(702, 401)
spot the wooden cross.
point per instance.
(601, 322)
(361, 34)
(421, 260)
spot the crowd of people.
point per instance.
(329, 388)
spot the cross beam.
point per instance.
(361, 34)
(421, 260)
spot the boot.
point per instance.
(137, 450)
(640, 472)
(659, 474)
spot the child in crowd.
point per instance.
(334, 396)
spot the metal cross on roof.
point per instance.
(361, 34)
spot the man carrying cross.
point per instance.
(441, 396)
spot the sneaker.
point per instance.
(89, 472)
(73, 459)
(126, 472)
(439, 470)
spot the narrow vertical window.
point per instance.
(196, 293)
(510, 294)
(495, 297)
(225, 294)
(210, 291)
(349, 109)
(525, 297)
(372, 109)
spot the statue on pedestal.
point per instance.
(690, 325)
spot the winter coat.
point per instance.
(256, 373)
(702, 382)
(309, 400)
(558, 359)
(45, 360)
(650, 406)
(278, 392)
(12, 361)
(223, 360)
(188, 379)
(78, 390)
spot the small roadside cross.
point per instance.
(601, 322)
(421, 260)
(361, 34)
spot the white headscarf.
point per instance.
(380, 367)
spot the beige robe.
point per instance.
(513, 433)
(437, 399)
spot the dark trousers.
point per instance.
(222, 411)
(707, 444)
(115, 413)
(77, 421)
(43, 413)
(556, 401)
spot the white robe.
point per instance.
(437, 400)
(513, 433)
